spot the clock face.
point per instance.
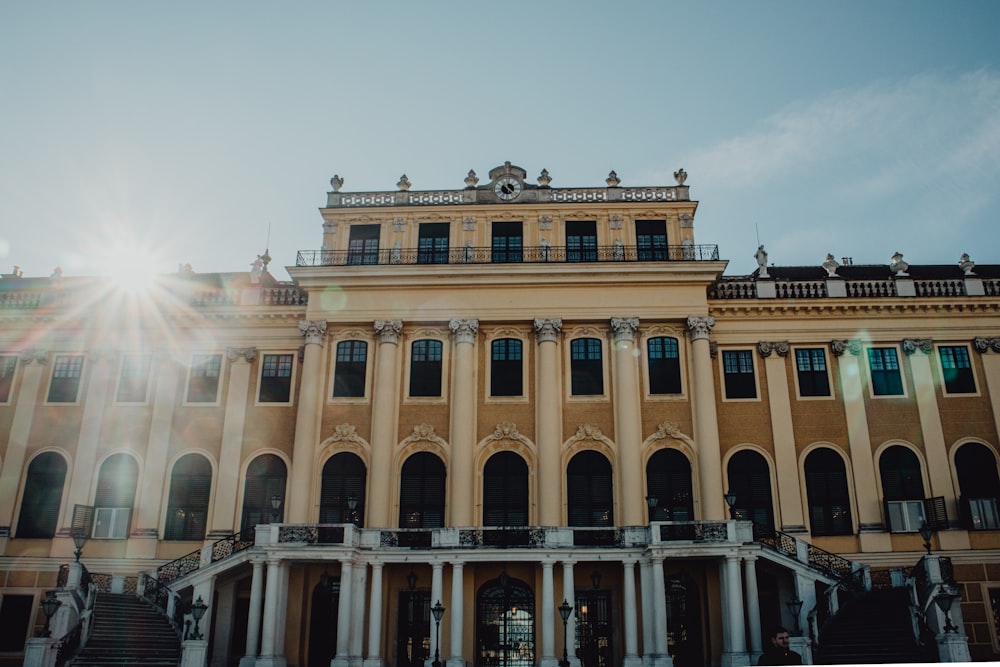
(507, 187)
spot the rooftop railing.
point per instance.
(479, 196)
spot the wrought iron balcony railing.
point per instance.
(525, 255)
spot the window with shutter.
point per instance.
(738, 374)
(663, 361)
(344, 476)
(826, 488)
(902, 489)
(8, 364)
(750, 480)
(956, 369)
(350, 371)
(668, 479)
(134, 379)
(15, 620)
(422, 492)
(116, 484)
(187, 503)
(586, 367)
(506, 368)
(589, 490)
(265, 479)
(811, 372)
(65, 383)
(425, 368)
(883, 363)
(505, 490)
(43, 489)
(203, 378)
(275, 378)
(979, 485)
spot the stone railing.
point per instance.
(482, 196)
(871, 288)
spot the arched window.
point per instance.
(589, 491)
(663, 359)
(43, 488)
(505, 490)
(421, 492)
(343, 484)
(829, 499)
(979, 485)
(115, 497)
(586, 367)
(750, 480)
(187, 505)
(265, 480)
(668, 480)
(506, 368)
(903, 490)
(505, 623)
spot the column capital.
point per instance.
(247, 354)
(984, 345)
(33, 355)
(388, 330)
(314, 331)
(464, 330)
(767, 347)
(911, 345)
(838, 347)
(547, 329)
(700, 327)
(624, 328)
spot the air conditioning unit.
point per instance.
(111, 523)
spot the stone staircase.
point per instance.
(128, 631)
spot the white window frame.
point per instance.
(829, 373)
(118, 522)
(79, 381)
(525, 366)
(291, 379)
(866, 361)
(218, 387)
(907, 522)
(426, 334)
(13, 379)
(681, 361)
(972, 369)
(149, 378)
(568, 365)
(986, 511)
(756, 375)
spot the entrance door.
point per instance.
(413, 630)
(684, 638)
(594, 628)
(323, 622)
(505, 624)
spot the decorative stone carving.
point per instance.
(388, 330)
(423, 432)
(32, 355)
(506, 431)
(471, 180)
(680, 176)
(336, 183)
(911, 345)
(667, 430)
(624, 328)
(616, 222)
(984, 345)
(399, 225)
(544, 179)
(256, 269)
(468, 223)
(57, 273)
(548, 329)
(700, 327)
(767, 347)
(966, 264)
(838, 347)
(618, 250)
(612, 180)
(761, 257)
(329, 227)
(345, 433)
(247, 354)
(396, 253)
(545, 223)
(313, 330)
(403, 184)
(589, 432)
(897, 265)
(830, 265)
(687, 222)
(464, 330)
(713, 349)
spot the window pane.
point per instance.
(276, 378)
(586, 368)
(651, 240)
(203, 382)
(43, 487)
(425, 368)
(506, 369)
(134, 378)
(664, 366)
(351, 368)
(65, 383)
(363, 244)
(8, 364)
(957, 370)
(738, 374)
(15, 619)
(811, 369)
(581, 241)
(884, 366)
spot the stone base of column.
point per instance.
(664, 661)
(39, 652)
(194, 653)
(730, 659)
(632, 661)
(340, 661)
(370, 662)
(802, 646)
(548, 662)
(271, 661)
(951, 648)
(248, 661)
(456, 661)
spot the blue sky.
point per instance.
(181, 131)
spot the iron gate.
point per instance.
(505, 625)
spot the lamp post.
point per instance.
(731, 501)
(564, 611)
(352, 506)
(198, 610)
(651, 503)
(79, 539)
(411, 584)
(438, 611)
(944, 600)
(276, 501)
(925, 534)
(794, 608)
(50, 605)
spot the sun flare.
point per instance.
(131, 267)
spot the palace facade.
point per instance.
(502, 400)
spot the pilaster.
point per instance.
(463, 421)
(307, 420)
(33, 364)
(786, 460)
(385, 401)
(548, 416)
(706, 421)
(224, 514)
(628, 416)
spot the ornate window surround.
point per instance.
(722, 373)
(939, 368)
(223, 372)
(335, 339)
(573, 333)
(260, 371)
(829, 371)
(406, 347)
(683, 341)
(527, 343)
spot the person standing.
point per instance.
(778, 652)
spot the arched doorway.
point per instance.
(685, 642)
(323, 622)
(505, 624)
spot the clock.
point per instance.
(507, 187)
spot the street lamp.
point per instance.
(565, 610)
(50, 605)
(925, 533)
(198, 610)
(79, 539)
(438, 611)
(944, 600)
(504, 580)
(651, 503)
(794, 607)
(276, 501)
(731, 501)
(352, 505)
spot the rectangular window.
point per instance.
(956, 368)
(586, 367)
(983, 514)
(111, 523)
(203, 381)
(664, 366)
(905, 516)
(134, 379)
(425, 368)
(362, 247)
(432, 244)
(508, 242)
(506, 369)
(275, 378)
(65, 378)
(651, 240)
(813, 378)
(15, 619)
(8, 364)
(884, 366)
(349, 373)
(581, 241)
(737, 369)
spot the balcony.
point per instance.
(545, 254)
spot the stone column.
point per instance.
(344, 615)
(548, 658)
(548, 416)
(706, 424)
(871, 531)
(463, 421)
(374, 658)
(991, 369)
(227, 489)
(437, 591)
(628, 417)
(145, 524)
(269, 632)
(737, 655)
(753, 607)
(385, 406)
(648, 612)
(307, 421)
(631, 621)
(661, 658)
(786, 461)
(33, 362)
(569, 594)
(253, 619)
(457, 617)
(358, 615)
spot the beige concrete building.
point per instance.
(502, 397)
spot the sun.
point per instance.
(130, 266)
